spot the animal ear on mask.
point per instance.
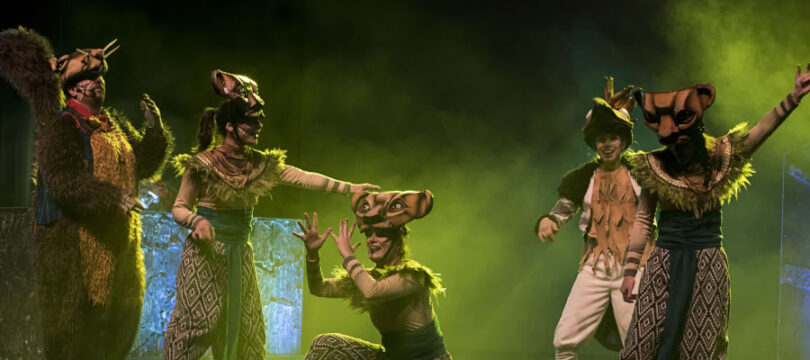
(638, 95)
(425, 203)
(705, 94)
(219, 82)
(58, 65)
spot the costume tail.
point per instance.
(25, 61)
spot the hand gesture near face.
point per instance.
(802, 84)
(312, 240)
(344, 239)
(151, 113)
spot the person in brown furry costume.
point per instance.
(90, 271)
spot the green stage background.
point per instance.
(480, 103)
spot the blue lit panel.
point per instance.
(793, 337)
(279, 260)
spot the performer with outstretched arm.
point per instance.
(218, 303)
(683, 301)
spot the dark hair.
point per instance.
(399, 240)
(229, 111)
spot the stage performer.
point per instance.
(218, 303)
(396, 292)
(683, 300)
(90, 271)
(608, 196)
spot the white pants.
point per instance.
(593, 290)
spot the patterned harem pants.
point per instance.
(198, 320)
(344, 347)
(705, 330)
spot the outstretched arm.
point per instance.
(775, 117)
(294, 176)
(547, 225)
(153, 145)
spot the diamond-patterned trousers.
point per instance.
(705, 330)
(344, 347)
(199, 316)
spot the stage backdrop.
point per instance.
(482, 103)
(279, 260)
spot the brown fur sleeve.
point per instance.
(63, 169)
(25, 63)
(152, 147)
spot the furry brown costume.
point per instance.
(90, 274)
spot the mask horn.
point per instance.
(111, 51)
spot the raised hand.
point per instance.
(802, 85)
(151, 113)
(344, 239)
(547, 229)
(363, 187)
(312, 240)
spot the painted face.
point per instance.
(609, 146)
(89, 91)
(248, 132)
(379, 243)
(392, 209)
(235, 86)
(673, 115)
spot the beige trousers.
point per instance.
(594, 289)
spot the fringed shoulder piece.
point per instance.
(266, 173)
(432, 282)
(729, 176)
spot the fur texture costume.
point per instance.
(90, 272)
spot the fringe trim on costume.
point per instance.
(722, 192)
(574, 183)
(433, 282)
(218, 189)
